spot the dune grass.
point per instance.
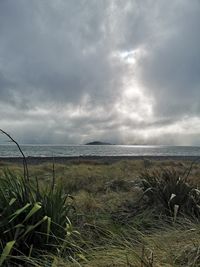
(130, 213)
(111, 222)
(33, 219)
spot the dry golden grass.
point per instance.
(101, 190)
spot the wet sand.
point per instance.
(97, 159)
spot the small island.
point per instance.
(98, 143)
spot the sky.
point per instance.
(121, 71)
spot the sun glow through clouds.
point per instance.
(135, 105)
(121, 71)
(130, 57)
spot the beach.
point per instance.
(94, 159)
(110, 207)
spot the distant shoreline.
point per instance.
(103, 159)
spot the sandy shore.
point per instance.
(100, 159)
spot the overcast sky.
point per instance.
(122, 71)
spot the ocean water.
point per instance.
(99, 150)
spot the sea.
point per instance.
(11, 150)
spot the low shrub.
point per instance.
(32, 219)
(172, 191)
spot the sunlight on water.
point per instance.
(100, 150)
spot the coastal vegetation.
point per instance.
(94, 213)
(91, 213)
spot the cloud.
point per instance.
(55, 49)
(124, 72)
(171, 68)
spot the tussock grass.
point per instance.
(115, 217)
(113, 232)
(173, 191)
(33, 219)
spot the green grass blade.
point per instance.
(6, 251)
(12, 201)
(35, 208)
(48, 228)
(32, 227)
(19, 211)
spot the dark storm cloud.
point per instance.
(62, 63)
(56, 49)
(5, 86)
